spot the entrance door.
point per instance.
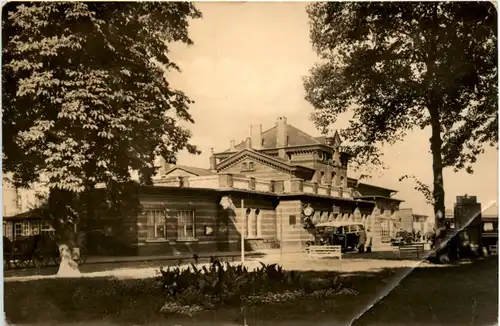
(222, 232)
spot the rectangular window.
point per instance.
(18, 230)
(46, 228)
(292, 220)
(156, 224)
(185, 225)
(19, 201)
(26, 229)
(488, 227)
(35, 227)
(8, 230)
(250, 166)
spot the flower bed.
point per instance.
(194, 290)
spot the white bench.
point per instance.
(417, 248)
(324, 251)
(493, 249)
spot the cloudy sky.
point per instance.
(245, 67)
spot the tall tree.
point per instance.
(400, 66)
(85, 94)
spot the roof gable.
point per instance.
(189, 170)
(275, 163)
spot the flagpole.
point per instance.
(243, 229)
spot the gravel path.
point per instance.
(291, 261)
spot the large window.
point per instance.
(185, 225)
(156, 224)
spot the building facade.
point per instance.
(259, 189)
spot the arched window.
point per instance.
(322, 180)
(247, 222)
(258, 224)
(342, 181)
(334, 182)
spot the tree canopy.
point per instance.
(85, 94)
(403, 65)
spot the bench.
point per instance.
(413, 248)
(493, 250)
(324, 251)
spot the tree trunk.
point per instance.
(445, 250)
(437, 169)
(59, 201)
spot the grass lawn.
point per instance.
(460, 295)
(428, 296)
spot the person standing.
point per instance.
(361, 240)
(369, 240)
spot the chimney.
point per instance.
(248, 142)
(281, 136)
(213, 162)
(164, 167)
(256, 136)
(232, 146)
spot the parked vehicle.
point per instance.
(402, 238)
(345, 234)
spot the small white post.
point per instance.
(243, 228)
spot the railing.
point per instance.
(261, 185)
(224, 181)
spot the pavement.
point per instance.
(145, 267)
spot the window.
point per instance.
(209, 230)
(35, 227)
(262, 143)
(18, 230)
(342, 182)
(258, 224)
(46, 228)
(322, 180)
(333, 178)
(287, 139)
(488, 227)
(19, 201)
(185, 225)
(382, 211)
(8, 230)
(248, 222)
(250, 166)
(292, 220)
(26, 229)
(156, 224)
(244, 167)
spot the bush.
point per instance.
(225, 284)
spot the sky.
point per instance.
(245, 68)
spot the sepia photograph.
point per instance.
(250, 163)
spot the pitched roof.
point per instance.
(248, 152)
(191, 169)
(296, 137)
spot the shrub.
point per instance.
(221, 283)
